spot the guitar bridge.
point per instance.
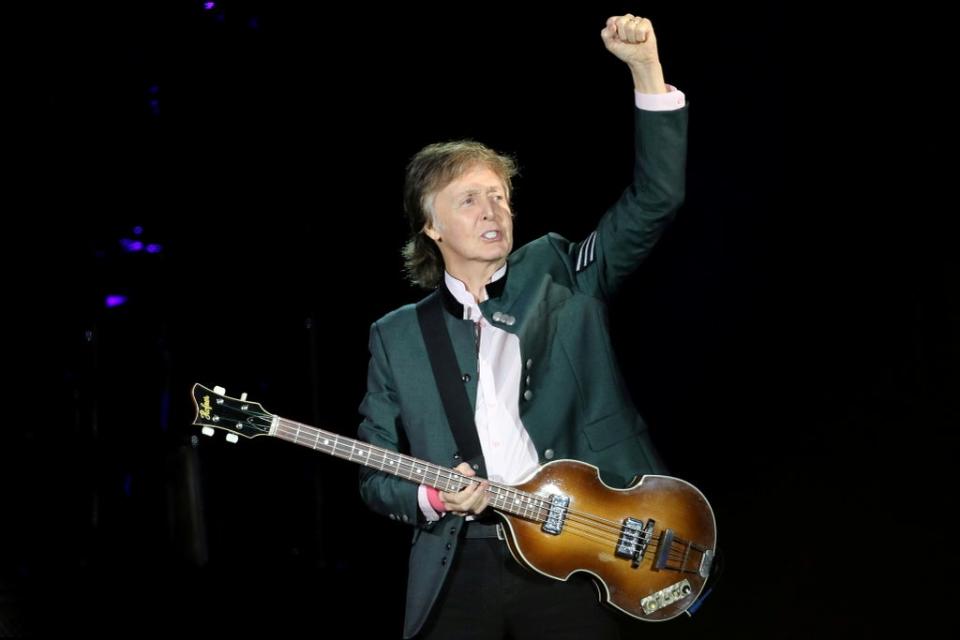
(634, 538)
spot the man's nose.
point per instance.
(489, 210)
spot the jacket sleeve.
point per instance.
(381, 426)
(629, 229)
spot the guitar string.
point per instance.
(618, 535)
(675, 552)
(402, 461)
(449, 475)
(517, 498)
(292, 431)
(674, 557)
(296, 432)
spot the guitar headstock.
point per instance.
(236, 416)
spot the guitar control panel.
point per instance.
(662, 598)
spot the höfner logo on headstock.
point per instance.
(205, 408)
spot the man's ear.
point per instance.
(432, 233)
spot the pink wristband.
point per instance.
(433, 496)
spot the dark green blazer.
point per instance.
(573, 401)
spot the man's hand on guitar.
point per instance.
(470, 499)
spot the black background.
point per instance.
(792, 340)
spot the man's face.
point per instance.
(473, 221)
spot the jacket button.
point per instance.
(529, 363)
(548, 454)
(448, 546)
(405, 518)
(527, 394)
(465, 377)
(393, 516)
(453, 531)
(528, 381)
(444, 561)
(497, 316)
(476, 466)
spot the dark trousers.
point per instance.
(489, 596)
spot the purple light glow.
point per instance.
(138, 231)
(154, 248)
(114, 300)
(207, 6)
(131, 245)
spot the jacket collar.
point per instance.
(452, 305)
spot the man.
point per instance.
(531, 345)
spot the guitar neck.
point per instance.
(502, 497)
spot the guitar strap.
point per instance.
(446, 373)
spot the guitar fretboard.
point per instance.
(503, 497)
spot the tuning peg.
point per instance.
(220, 391)
(232, 438)
(207, 431)
(243, 397)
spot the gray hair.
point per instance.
(430, 170)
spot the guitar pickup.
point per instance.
(634, 538)
(556, 515)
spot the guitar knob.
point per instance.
(220, 391)
(243, 397)
(232, 438)
(207, 431)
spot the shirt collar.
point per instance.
(461, 302)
